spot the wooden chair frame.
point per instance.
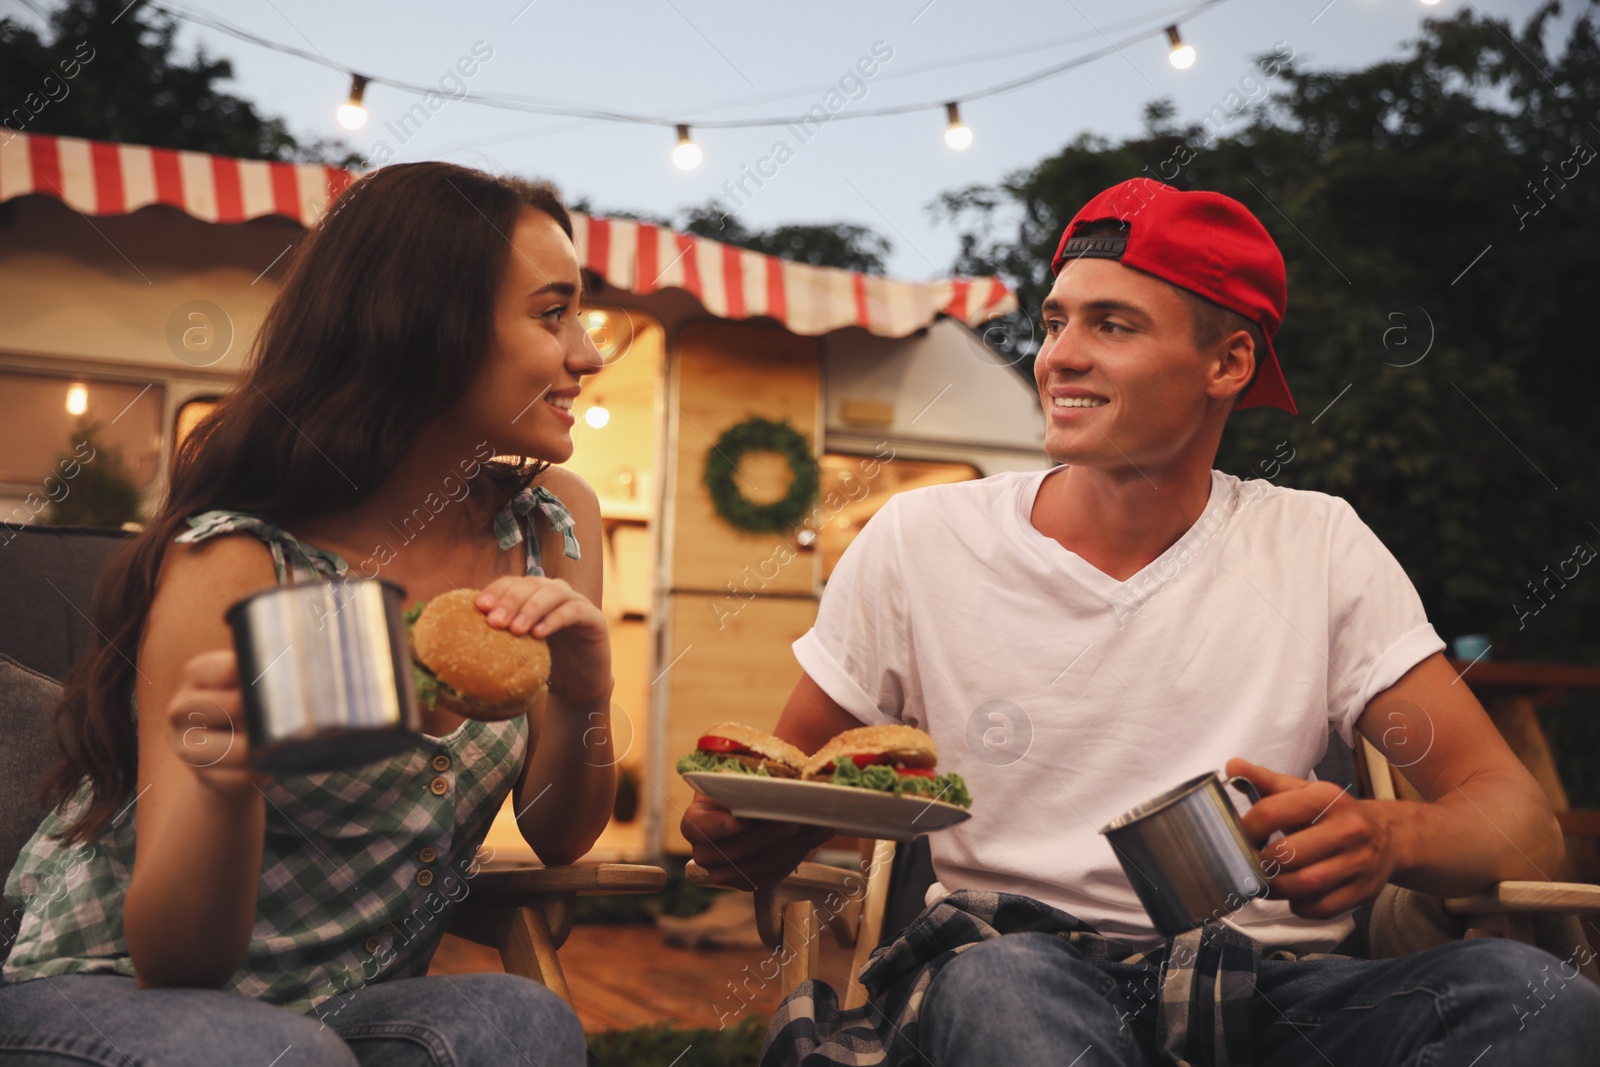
(848, 902)
(526, 912)
(1508, 909)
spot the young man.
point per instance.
(1082, 639)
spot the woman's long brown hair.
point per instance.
(384, 321)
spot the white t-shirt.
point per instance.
(1065, 697)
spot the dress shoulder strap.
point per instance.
(292, 559)
(508, 528)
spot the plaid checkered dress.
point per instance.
(360, 869)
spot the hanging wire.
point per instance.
(570, 109)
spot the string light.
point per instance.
(77, 398)
(352, 115)
(1182, 55)
(597, 416)
(686, 154)
(958, 135)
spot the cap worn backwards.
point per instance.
(1201, 241)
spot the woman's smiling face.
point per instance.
(522, 400)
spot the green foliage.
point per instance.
(96, 75)
(761, 435)
(664, 1046)
(1382, 186)
(103, 492)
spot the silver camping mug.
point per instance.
(1187, 855)
(325, 673)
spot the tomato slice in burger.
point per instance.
(866, 759)
(917, 772)
(719, 744)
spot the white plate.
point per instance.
(848, 809)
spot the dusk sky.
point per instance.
(691, 60)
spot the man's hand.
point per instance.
(1336, 853)
(746, 853)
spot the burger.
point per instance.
(463, 665)
(734, 748)
(890, 759)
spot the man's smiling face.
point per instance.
(1122, 382)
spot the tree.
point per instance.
(845, 245)
(103, 493)
(95, 74)
(1438, 213)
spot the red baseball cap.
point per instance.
(1204, 242)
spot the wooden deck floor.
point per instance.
(623, 977)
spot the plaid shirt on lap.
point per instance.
(1202, 1013)
(360, 868)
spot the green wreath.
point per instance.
(762, 435)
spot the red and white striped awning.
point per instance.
(100, 178)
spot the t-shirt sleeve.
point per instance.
(1377, 628)
(859, 651)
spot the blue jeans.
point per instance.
(1031, 998)
(468, 1020)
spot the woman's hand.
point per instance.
(206, 727)
(550, 609)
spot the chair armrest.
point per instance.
(840, 888)
(1559, 898)
(695, 874)
(499, 892)
(808, 877)
(583, 879)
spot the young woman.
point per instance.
(185, 909)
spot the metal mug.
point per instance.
(325, 673)
(1187, 855)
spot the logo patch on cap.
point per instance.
(1094, 248)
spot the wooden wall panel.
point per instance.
(731, 666)
(723, 374)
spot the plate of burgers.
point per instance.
(874, 781)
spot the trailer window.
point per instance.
(38, 415)
(189, 416)
(853, 488)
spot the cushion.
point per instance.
(47, 587)
(28, 701)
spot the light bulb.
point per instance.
(77, 398)
(1182, 55)
(597, 416)
(352, 115)
(686, 154)
(957, 135)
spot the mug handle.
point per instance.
(1248, 788)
